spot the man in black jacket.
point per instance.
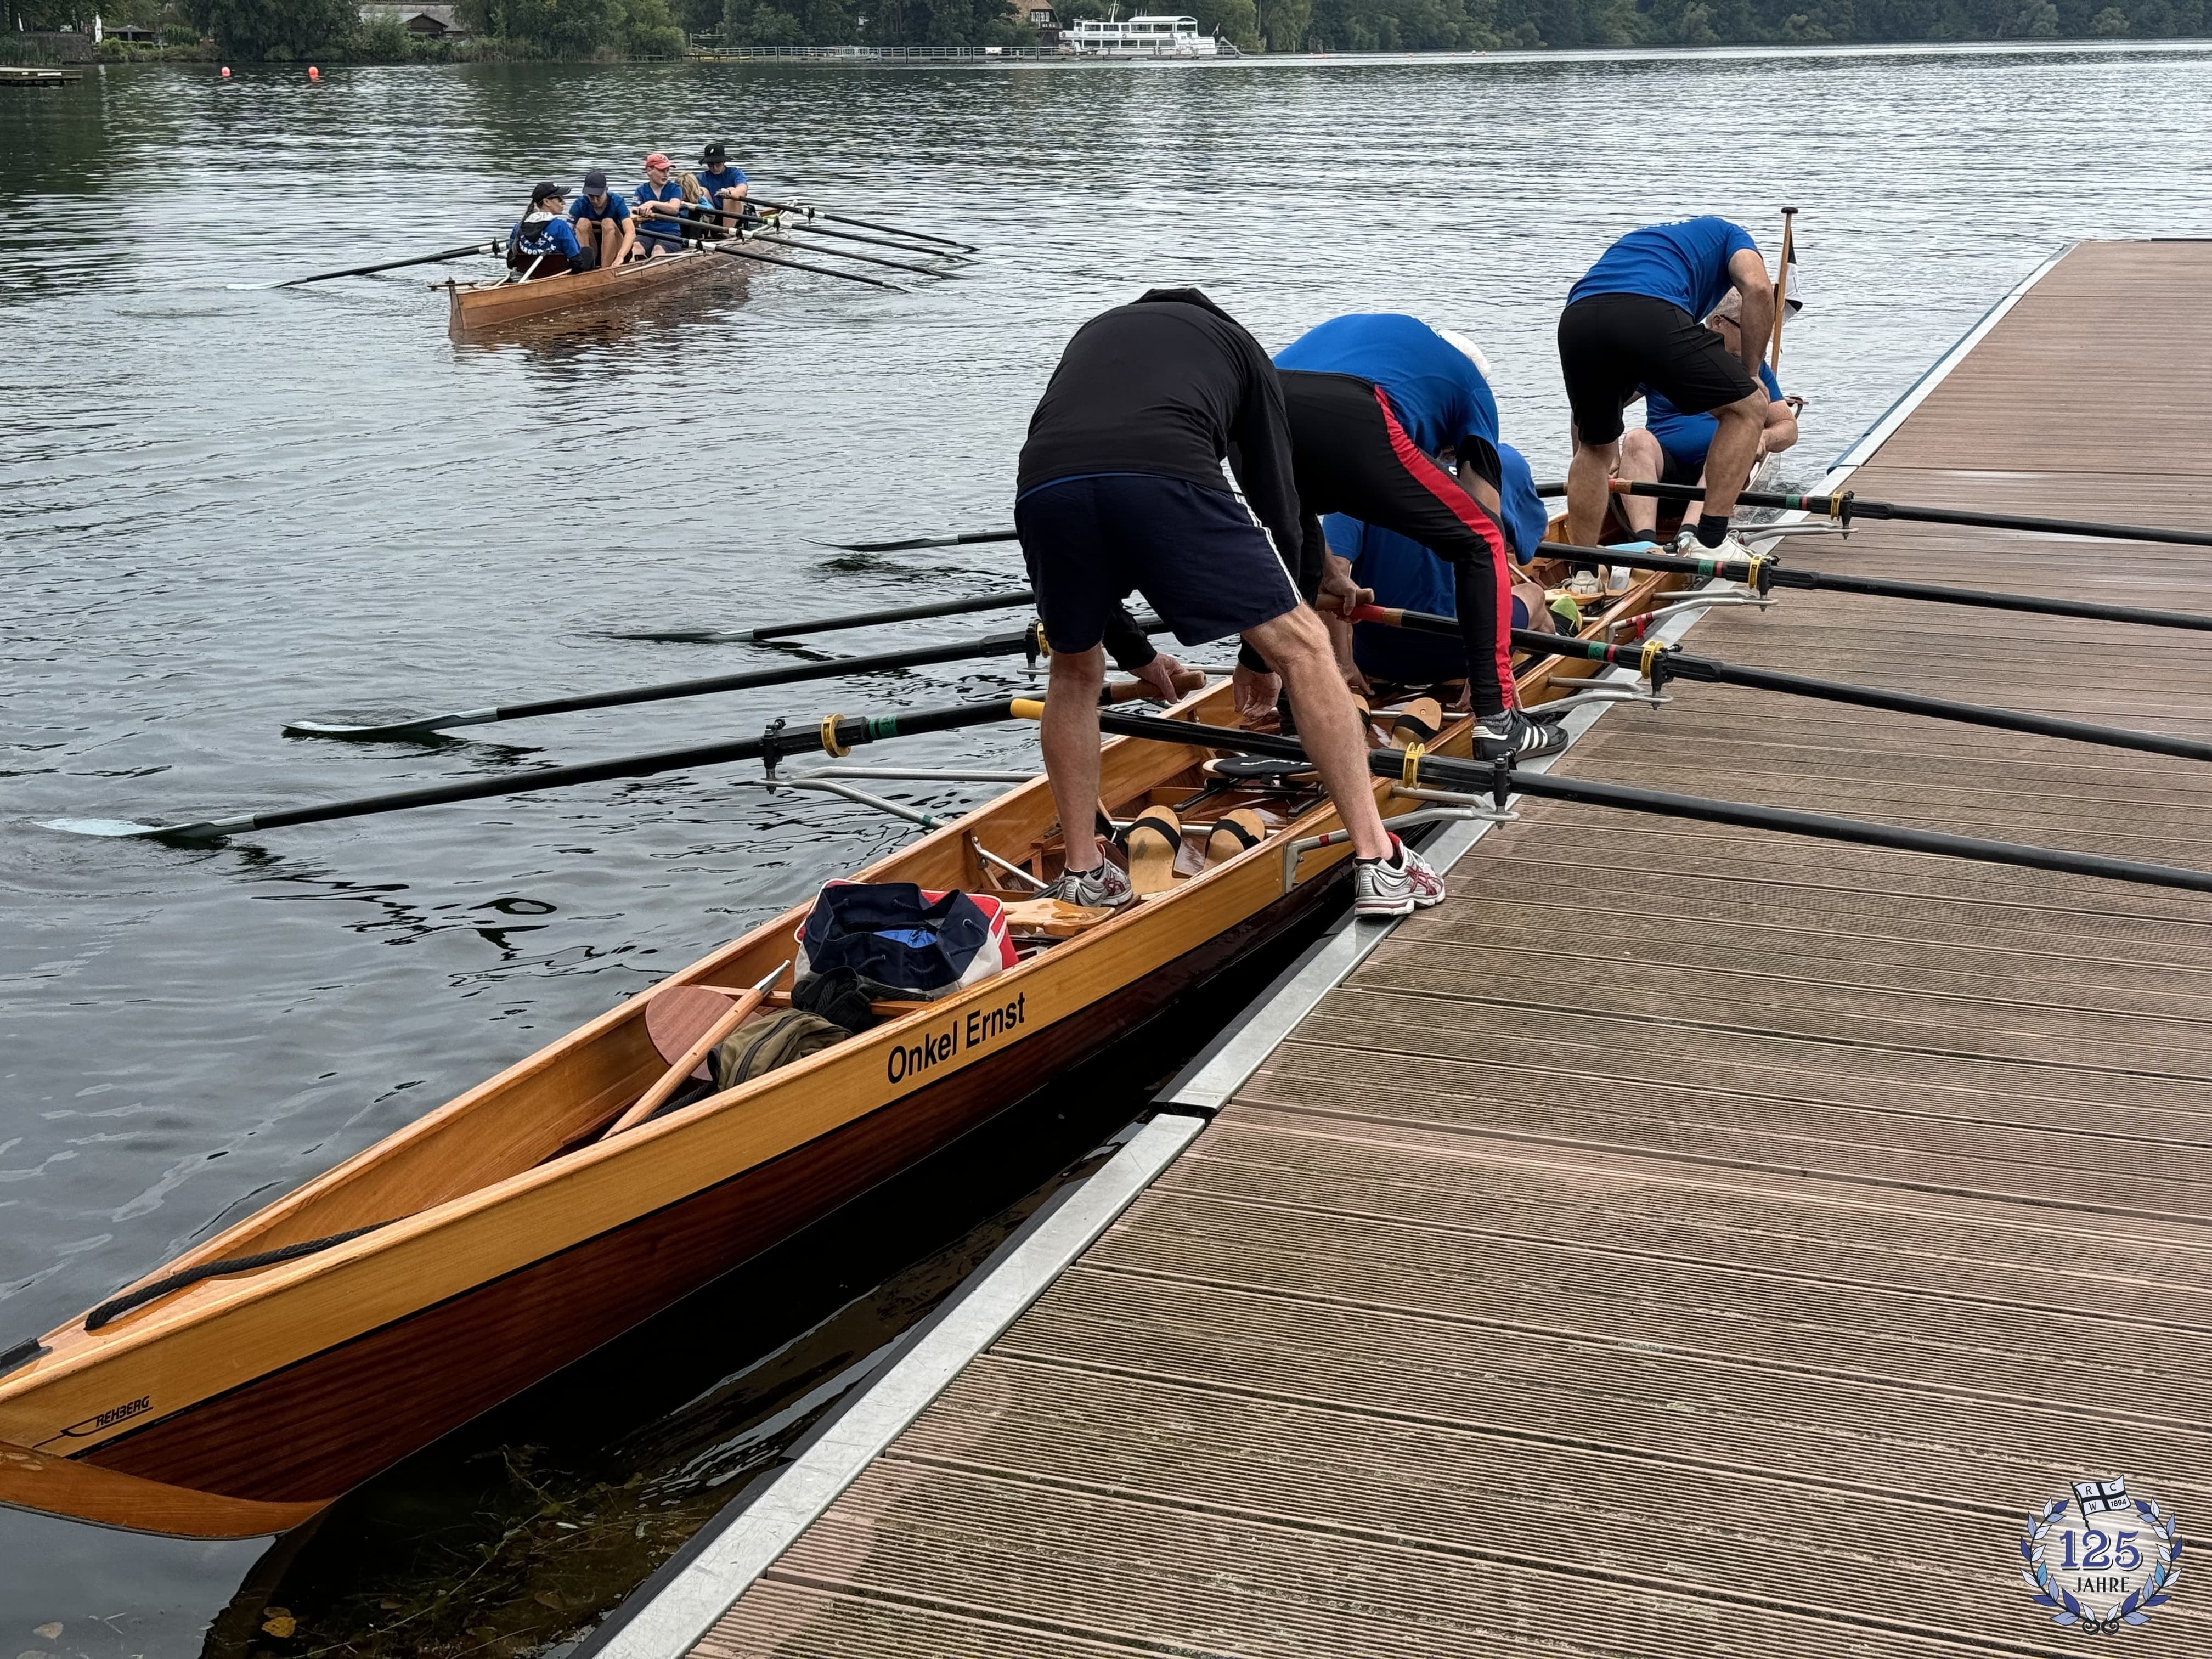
(1121, 487)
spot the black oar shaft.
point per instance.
(1499, 780)
(813, 230)
(741, 250)
(1848, 506)
(967, 538)
(1665, 663)
(864, 258)
(864, 224)
(397, 265)
(849, 730)
(1005, 601)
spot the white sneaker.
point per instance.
(1106, 888)
(1395, 886)
(1689, 547)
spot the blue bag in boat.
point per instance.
(922, 944)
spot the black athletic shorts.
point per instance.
(1612, 343)
(1673, 469)
(1193, 553)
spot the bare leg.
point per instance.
(1587, 476)
(1069, 734)
(1642, 460)
(1735, 449)
(1296, 645)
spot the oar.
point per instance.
(1848, 506)
(1763, 572)
(672, 1079)
(388, 264)
(1782, 287)
(866, 258)
(1662, 663)
(864, 224)
(774, 228)
(742, 252)
(1005, 601)
(964, 539)
(834, 735)
(1500, 779)
(990, 645)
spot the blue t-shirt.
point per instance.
(1438, 394)
(553, 235)
(655, 226)
(715, 183)
(1687, 437)
(612, 206)
(1406, 576)
(1684, 263)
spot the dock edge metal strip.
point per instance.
(707, 1582)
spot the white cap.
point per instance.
(1473, 352)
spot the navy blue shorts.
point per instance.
(1193, 553)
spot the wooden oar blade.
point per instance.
(678, 1017)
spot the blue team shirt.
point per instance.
(660, 229)
(556, 235)
(1684, 263)
(715, 183)
(583, 210)
(1438, 394)
(1406, 576)
(1687, 437)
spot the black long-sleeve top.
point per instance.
(1172, 385)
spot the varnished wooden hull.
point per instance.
(478, 308)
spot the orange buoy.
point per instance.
(226, 71)
(313, 74)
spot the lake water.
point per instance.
(222, 508)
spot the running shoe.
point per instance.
(1395, 886)
(1584, 585)
(1687, 545)
(1514, 733)
(1105, 888)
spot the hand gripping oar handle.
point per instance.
(1662, 663)
(1844, 508)
(1500, 780)
(837, 734)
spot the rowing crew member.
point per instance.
(544, 242)
(1404, 575)
(1373, 399)
(1119, 487)
(1671, 448)
(602, 222)
(1631, 324)
(660, 205)
(724, 186)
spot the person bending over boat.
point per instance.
(1404, 575)
(724, 186)
(1121, 487)
(1671, 448)
(659, 209)
(1631, 324)
(602, 221)
(1372, 399)
(544, 242)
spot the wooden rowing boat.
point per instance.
(476, 309)
(507, 1238)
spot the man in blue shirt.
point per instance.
(1671, 448)
(1632, 322)
(543, 242)
(602, 221)
(724, 186)
(660, 202)
(1373, 399)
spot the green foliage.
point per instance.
(381, 39)
(1238, 21)
(245, 31)
(2111, 20)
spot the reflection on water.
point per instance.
(224, 508)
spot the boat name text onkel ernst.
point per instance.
(980, 1026)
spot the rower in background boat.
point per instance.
(1404, 575)
(1632, 322)
(1119, 488)
(658, 209)
(1671, 446)
(1372, 398)
(602, 218)
(543, 242)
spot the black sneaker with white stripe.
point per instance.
(1514, 733)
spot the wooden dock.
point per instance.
(1684, 1241)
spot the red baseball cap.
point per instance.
(657, 159)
